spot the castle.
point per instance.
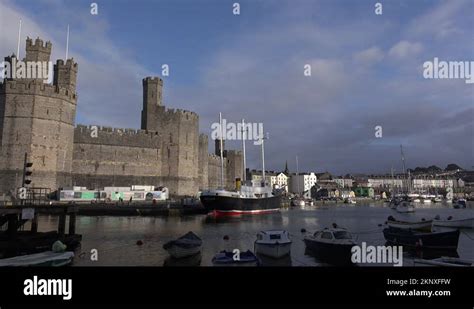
(38, 119)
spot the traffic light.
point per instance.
(27, 171)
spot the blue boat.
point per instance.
(229, 258)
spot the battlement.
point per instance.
(176, 112)
(69, 63)
(153, 79)
(214, 159)
(203, 138)
(38, 44)
(36, 87)
(125, 137)
(234, 152)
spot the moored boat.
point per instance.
(254, 198)
(417, 225)
(457, 223)
(461, 203)
(47, 258)
(445, 261)
(187, 245)
(331, 245)
(423, 240)
(405, 207)
(273, 243)
(229, 258)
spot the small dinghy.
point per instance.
(273, 243)
(423, 240)
(461, 203)
(420, 225)
(445, 261)
(229, 258)
(467, 223)
(187, 245)
(405, 207)
(47, 258)
(331, 245)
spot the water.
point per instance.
(115, 238)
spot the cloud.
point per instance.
(405, 49)
(369, 56)
(256, 73)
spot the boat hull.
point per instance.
(178, 252)
(227, 205)
(463, 223)
(276, 251)
(336, 254)
(437, 240)
(425, 225)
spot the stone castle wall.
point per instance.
(38, 119)
(115, 157)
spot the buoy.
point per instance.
(303, 230)
(139, 242)
(380, 224)
(226, 237)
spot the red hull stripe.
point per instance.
(241, 212)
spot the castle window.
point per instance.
(171, 137)
(169, 153)
(186, 138)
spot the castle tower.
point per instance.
(217, 147)
(65, 75)
(38, 51)
(152, 101)
(38, 119)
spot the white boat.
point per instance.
(273, 243)
(331, 245)
(187, 245)
(417, 200)
(405, 207)
(458, 223)
(47, 258)
(437, 200)
(427, 201)
(298, 202)
(419, 225)
(445, 261)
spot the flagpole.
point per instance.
(67, 43)
(18, 46)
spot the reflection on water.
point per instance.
(194, 260)
(116, 238)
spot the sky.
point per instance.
(366, 71)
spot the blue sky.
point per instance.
(366, 71)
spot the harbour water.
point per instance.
(115, 238)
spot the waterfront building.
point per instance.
(302, 182)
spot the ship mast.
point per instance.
(221, 150)
(244, 136)
(404, 168)
(263, 160)
(297, 179)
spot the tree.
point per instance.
(452, 167)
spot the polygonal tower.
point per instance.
(38, 119)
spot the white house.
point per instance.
(302, 182)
